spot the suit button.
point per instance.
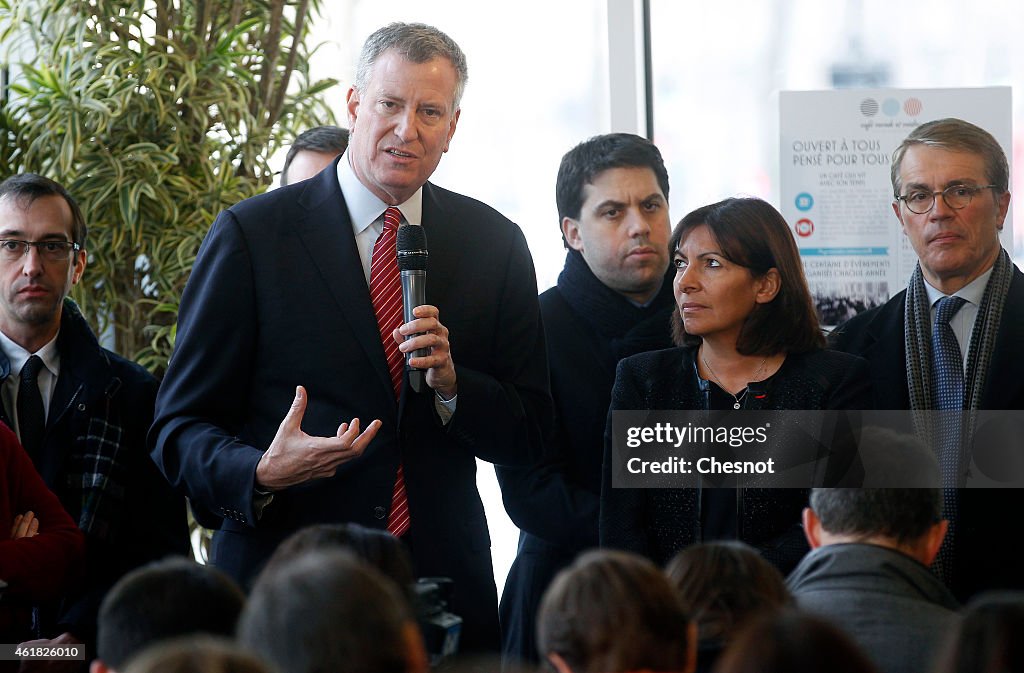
(380, 512)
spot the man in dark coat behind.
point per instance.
(613, 299)
(950, 182)
(80, 411)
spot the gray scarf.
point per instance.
(917, 341)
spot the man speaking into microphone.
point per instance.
(287, 401)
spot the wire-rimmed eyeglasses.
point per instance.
(12, 249)
(956, 197)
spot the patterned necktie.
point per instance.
(948, 387)
(947, 360)
(386, 294)
(31, 413)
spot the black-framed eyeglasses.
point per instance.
(956, 197)
(12, 249)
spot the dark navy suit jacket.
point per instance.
(877, 336)
(989, 525)
(278, 298)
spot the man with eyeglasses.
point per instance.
(80, 411)
(951, 340)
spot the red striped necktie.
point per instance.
(386, 294)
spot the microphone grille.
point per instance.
(412, 248)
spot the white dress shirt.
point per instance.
(47, 378)
(962, 322)
(367, 214)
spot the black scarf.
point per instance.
(628, 328)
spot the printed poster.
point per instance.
(835, 188)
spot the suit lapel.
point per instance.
(441, 227)
(887, 355)
(325, 230)
(886, 352)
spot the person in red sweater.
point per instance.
(40, 545)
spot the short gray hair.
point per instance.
(956, 135)
(903, 514)
(416, 42)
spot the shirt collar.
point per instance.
(17, 355)
(972, 292)
(650, 301)
(364, 208)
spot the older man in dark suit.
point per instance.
(292, 302)
(951, 340)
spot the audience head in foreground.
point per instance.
(347, 617)
(792, 642)
(196, 654)
(722, 585)
(905, 519)
(612, 611)
(990, 638)
(376, 547)
(163, 600)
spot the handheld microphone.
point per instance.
(412, 263)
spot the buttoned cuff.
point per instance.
(445, 408)
(260, 499)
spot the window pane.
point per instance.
(716, 75)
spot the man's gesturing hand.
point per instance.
(295, 457)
